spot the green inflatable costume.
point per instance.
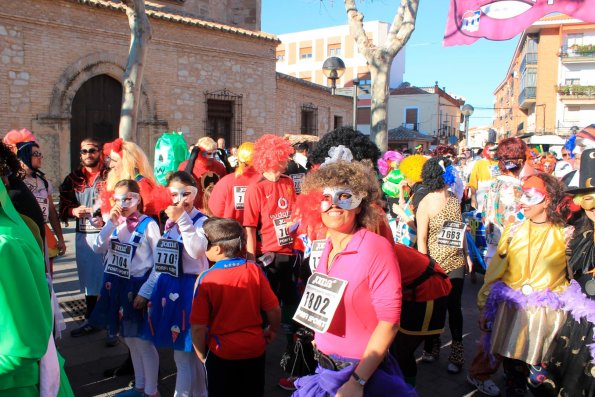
(26, 318)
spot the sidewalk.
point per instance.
(87, 357)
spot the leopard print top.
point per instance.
(449, 258)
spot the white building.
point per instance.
(429, 110)
(301, 54)
(576, 80)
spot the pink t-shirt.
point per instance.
(373, 293)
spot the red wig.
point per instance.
(115, 146)
(271, 153)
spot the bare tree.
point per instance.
(380, 58)
(140, 35)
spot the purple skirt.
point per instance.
(387, 380)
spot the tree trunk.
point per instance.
(140, 35)
(380, 76)
(380, 58)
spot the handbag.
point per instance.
(298, 359)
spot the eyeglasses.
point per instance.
(37, 154)
(88, 151)
(448, 156)
(565, 154)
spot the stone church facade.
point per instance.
(62, 61)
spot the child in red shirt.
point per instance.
(226, 315)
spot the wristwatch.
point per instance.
(362, 382)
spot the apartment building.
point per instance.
(549, 87)
(301, 54)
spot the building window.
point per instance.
(334, 50)
(572, 114)
(309, 119)
(224, 116)
(575, 39)
(411, 118)
(280, 56)
(306, 53)
(572, 81)
(338, 122)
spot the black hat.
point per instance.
(586, 174)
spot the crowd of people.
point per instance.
(358, 257)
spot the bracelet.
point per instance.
(358, 379)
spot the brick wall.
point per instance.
(49, 48)
(294, 94)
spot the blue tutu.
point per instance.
(168, 323)
(114, 309)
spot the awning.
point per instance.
(545, 140)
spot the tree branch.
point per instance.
(356, 28)
(402, 27)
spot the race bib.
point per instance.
(316, 253)
(44, 204)
(84, 225)
(297, 182)
(118, 259)
(167, 257)
(452, 234)
(283, 237)
(238, 196)
(320, 301)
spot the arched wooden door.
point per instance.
(95, 113)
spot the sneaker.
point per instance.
(132, 392)
(111, 340)
(287, 383)
(427, 357)
(453, 368)
(85, 329)
(487, 386)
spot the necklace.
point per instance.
(537, 223)
(527, 288)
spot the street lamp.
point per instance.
(355, 85)
(333, 68)
(467, 111)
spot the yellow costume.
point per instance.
(530, 258)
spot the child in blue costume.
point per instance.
(179, 259)
(128, 239)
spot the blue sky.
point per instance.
(470, 71)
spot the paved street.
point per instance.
(87, 357)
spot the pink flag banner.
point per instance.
(470, 20)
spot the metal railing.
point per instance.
(578, 51)
(577, 90)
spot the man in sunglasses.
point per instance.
(79, 195)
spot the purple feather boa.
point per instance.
(572, 300)
(578, 305)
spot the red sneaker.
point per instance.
(287, 383)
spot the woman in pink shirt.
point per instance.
(353, 299)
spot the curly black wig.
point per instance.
(9, 163)
(360, 145)
(433, 173)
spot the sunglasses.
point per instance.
(89, 151)
(565, 154)
(448, 156)
(37, 154)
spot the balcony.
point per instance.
(577, 94)
(526, 97)
(530, 58)
(578, 53)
